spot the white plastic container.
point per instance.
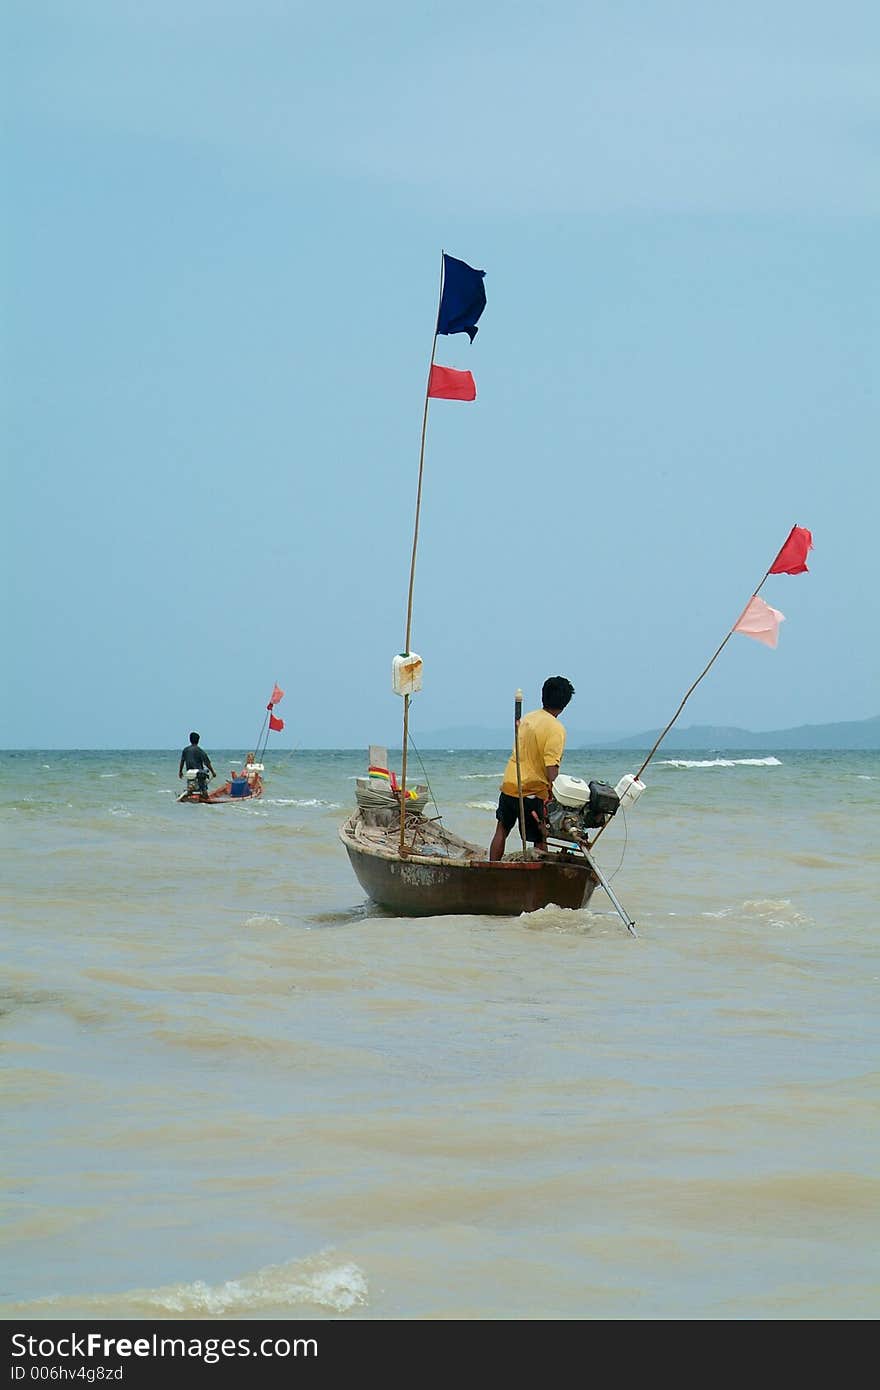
(406, 673)
(571, 791)
(629, 789)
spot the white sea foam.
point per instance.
(721, 762)
(294, 801)
(263, 919)
(477, 776)
(317, 1282)
(320, 1281)
(480, 805)
(776, 912)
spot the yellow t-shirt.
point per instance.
(541, 741)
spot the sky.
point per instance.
(222, 237)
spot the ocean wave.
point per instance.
(481, 805)
(319, 1281)
(565, 920)
(338, 1287)
(295, 801)
(776, 912)
(477, 776)
(720, 762)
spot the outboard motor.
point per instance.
(196, 781)
(577, 806)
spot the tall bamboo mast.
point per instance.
(412, 566)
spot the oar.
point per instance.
(624, 916)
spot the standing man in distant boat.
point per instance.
(541, 744)
(195, 759)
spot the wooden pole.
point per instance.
(258, 754)
(402, 790)
(517, 716)
(412, 567)
(690, 692)
(704, 672)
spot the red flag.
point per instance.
(449, 385)
(792, 558)
(277, 694)
(274, 723)
(761, 622)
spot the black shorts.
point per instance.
(508, 814)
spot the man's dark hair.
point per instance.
(556, 692)
(193, 738)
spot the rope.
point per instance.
(431, 796)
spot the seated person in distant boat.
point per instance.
(195, 759)
(255, 779)
(541, 744)
(249, 770)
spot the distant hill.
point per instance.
(856, 734)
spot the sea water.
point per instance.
(235, 1089)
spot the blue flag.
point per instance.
(463, 299)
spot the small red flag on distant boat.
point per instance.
(277, 694)
(275, 723)
(761, 622)
(449, 385)
(792, 558)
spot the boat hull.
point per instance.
(220, 797)
(424, 886)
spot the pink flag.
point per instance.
(277, 694)
(792, 558)
(447, 384)
(761, 622)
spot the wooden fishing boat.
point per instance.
(408, 862)
(238, 789)
(440, 873)
(246, 784)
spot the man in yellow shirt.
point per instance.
(541, 743)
